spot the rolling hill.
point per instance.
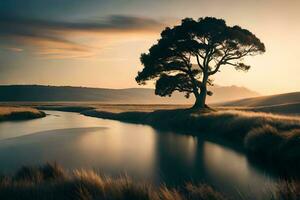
(288, 103)
(40, 93)
(271, 100)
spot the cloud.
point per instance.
(111, 23)
(57, 38)
(14, 49)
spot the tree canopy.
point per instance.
(187, 55)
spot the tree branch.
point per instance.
(225, 59)
(218, 65)
(241, 55)
(228, 63)
(199, 64)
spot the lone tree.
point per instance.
(209, 43)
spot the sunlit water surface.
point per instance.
(114, 148)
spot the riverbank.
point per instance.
(267, 138)
(9, 113)
(51, 181)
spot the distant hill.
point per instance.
(271, 100)
(288, 103)
(290, 108)
(129, 96)
(229, 93)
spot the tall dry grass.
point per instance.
(52, 182)
(287, 190)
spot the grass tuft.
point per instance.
(288, 190)
(264, 141)
(38, 174)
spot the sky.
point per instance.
(97, 43)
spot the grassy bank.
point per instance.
(19, 113)
(51, 182)
(269, 138)
(115, 108)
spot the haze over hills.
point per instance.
(122, 96)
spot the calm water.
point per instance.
(113, 148)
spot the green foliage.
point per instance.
(167, 84)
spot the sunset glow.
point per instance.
(98, 43)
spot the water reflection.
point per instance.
(113, 147)
(226, 167)
(177, 155)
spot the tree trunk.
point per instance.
(201, 98)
